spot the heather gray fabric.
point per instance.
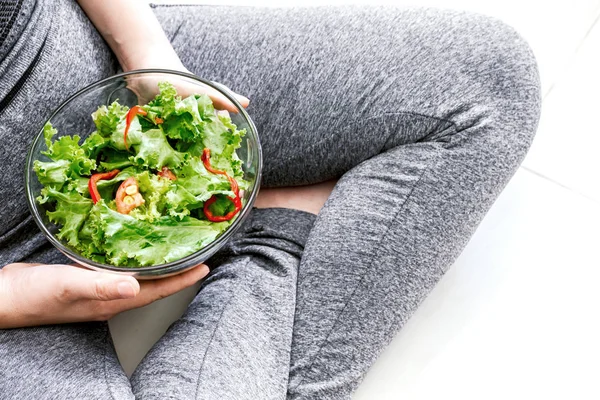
(24, 24)
(9, 11)
(64, 362)
(424, 114)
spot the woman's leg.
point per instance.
(425, 113)
(75, 361)
(234, 340)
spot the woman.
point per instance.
(422, 115)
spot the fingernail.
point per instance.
(202, 270)
(242, 99)
(126, 290)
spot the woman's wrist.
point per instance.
(158, 56)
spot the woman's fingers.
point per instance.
(161, 288)
(16, 266)
(244, 101)
(146, 88)
(223, 103)
(75, 284)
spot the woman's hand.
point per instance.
(33, 294)
(146, 88)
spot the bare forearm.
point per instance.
(133, 33)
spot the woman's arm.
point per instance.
(135, 36)
(133, 33)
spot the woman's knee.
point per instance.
(511, 67)
(511, 88)
(489, 76)
(440, 62)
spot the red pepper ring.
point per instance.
(237, 201)
(221, 218)
(92, 183)
(133, 111)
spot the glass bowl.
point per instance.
(131, 88)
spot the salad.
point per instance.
(151, 185)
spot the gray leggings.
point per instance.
(424, 115)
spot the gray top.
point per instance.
(24, 25)
(8, 13)
(15, 15)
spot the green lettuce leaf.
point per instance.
(134, 134)
(223, 139)
(52, 173)
(183, 127)
(184, 119)
(69, 161)
(115, 159)
(70, 212)
(107, 118)
(152, 189)
(194, 185)
(154, 151)
(164, 102)
(222, 205)
(67, 148)
(94, 144)
(108, 187)
(126, 238)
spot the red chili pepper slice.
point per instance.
(92, 183)
(126, 202)
(206, 160)
(237, 201)
(221, 218)
(133, 111)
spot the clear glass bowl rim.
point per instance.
(173, 266)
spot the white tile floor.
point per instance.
(517, 315)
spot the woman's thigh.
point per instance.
(331, 87)
(234, 340)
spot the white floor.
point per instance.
(517, 316)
